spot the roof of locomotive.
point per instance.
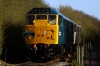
(49, 10)
(46, 10)
(76, 23)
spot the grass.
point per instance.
(76, 63)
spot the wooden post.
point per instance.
(83, 50)
(85, 54)
(89, 56)
(5, 56)
(90, 46)
(79, 54)
(82, 55)
(97, 58)
(86, 48)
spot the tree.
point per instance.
(90, 25)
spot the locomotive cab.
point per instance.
(44, 28)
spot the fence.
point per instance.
(91, 57)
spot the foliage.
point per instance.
(15, 10)
(90, 25)
(1, 21)
(12, 17)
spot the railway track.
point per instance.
(55, 62)
(30, 63)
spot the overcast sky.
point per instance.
(91, 7)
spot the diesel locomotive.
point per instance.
(48, 32)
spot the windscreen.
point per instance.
(52, 19)
(41, 17)
(30, 19)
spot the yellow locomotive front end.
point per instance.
(41, 29)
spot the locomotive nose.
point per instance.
(30, 33)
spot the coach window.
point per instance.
(30, 19)
(71, 26)
(52, 19)
(68, 24)
(60, 20)
(39, 17)
(74, 27)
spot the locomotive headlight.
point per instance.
(25, 34)
(30, 33)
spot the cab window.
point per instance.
(52, 19)
(30, 19)
(39, 17)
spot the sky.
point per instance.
(91, 7)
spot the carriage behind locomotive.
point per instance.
(47, 30)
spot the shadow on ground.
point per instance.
(14, 46)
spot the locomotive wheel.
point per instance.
(61, 50)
